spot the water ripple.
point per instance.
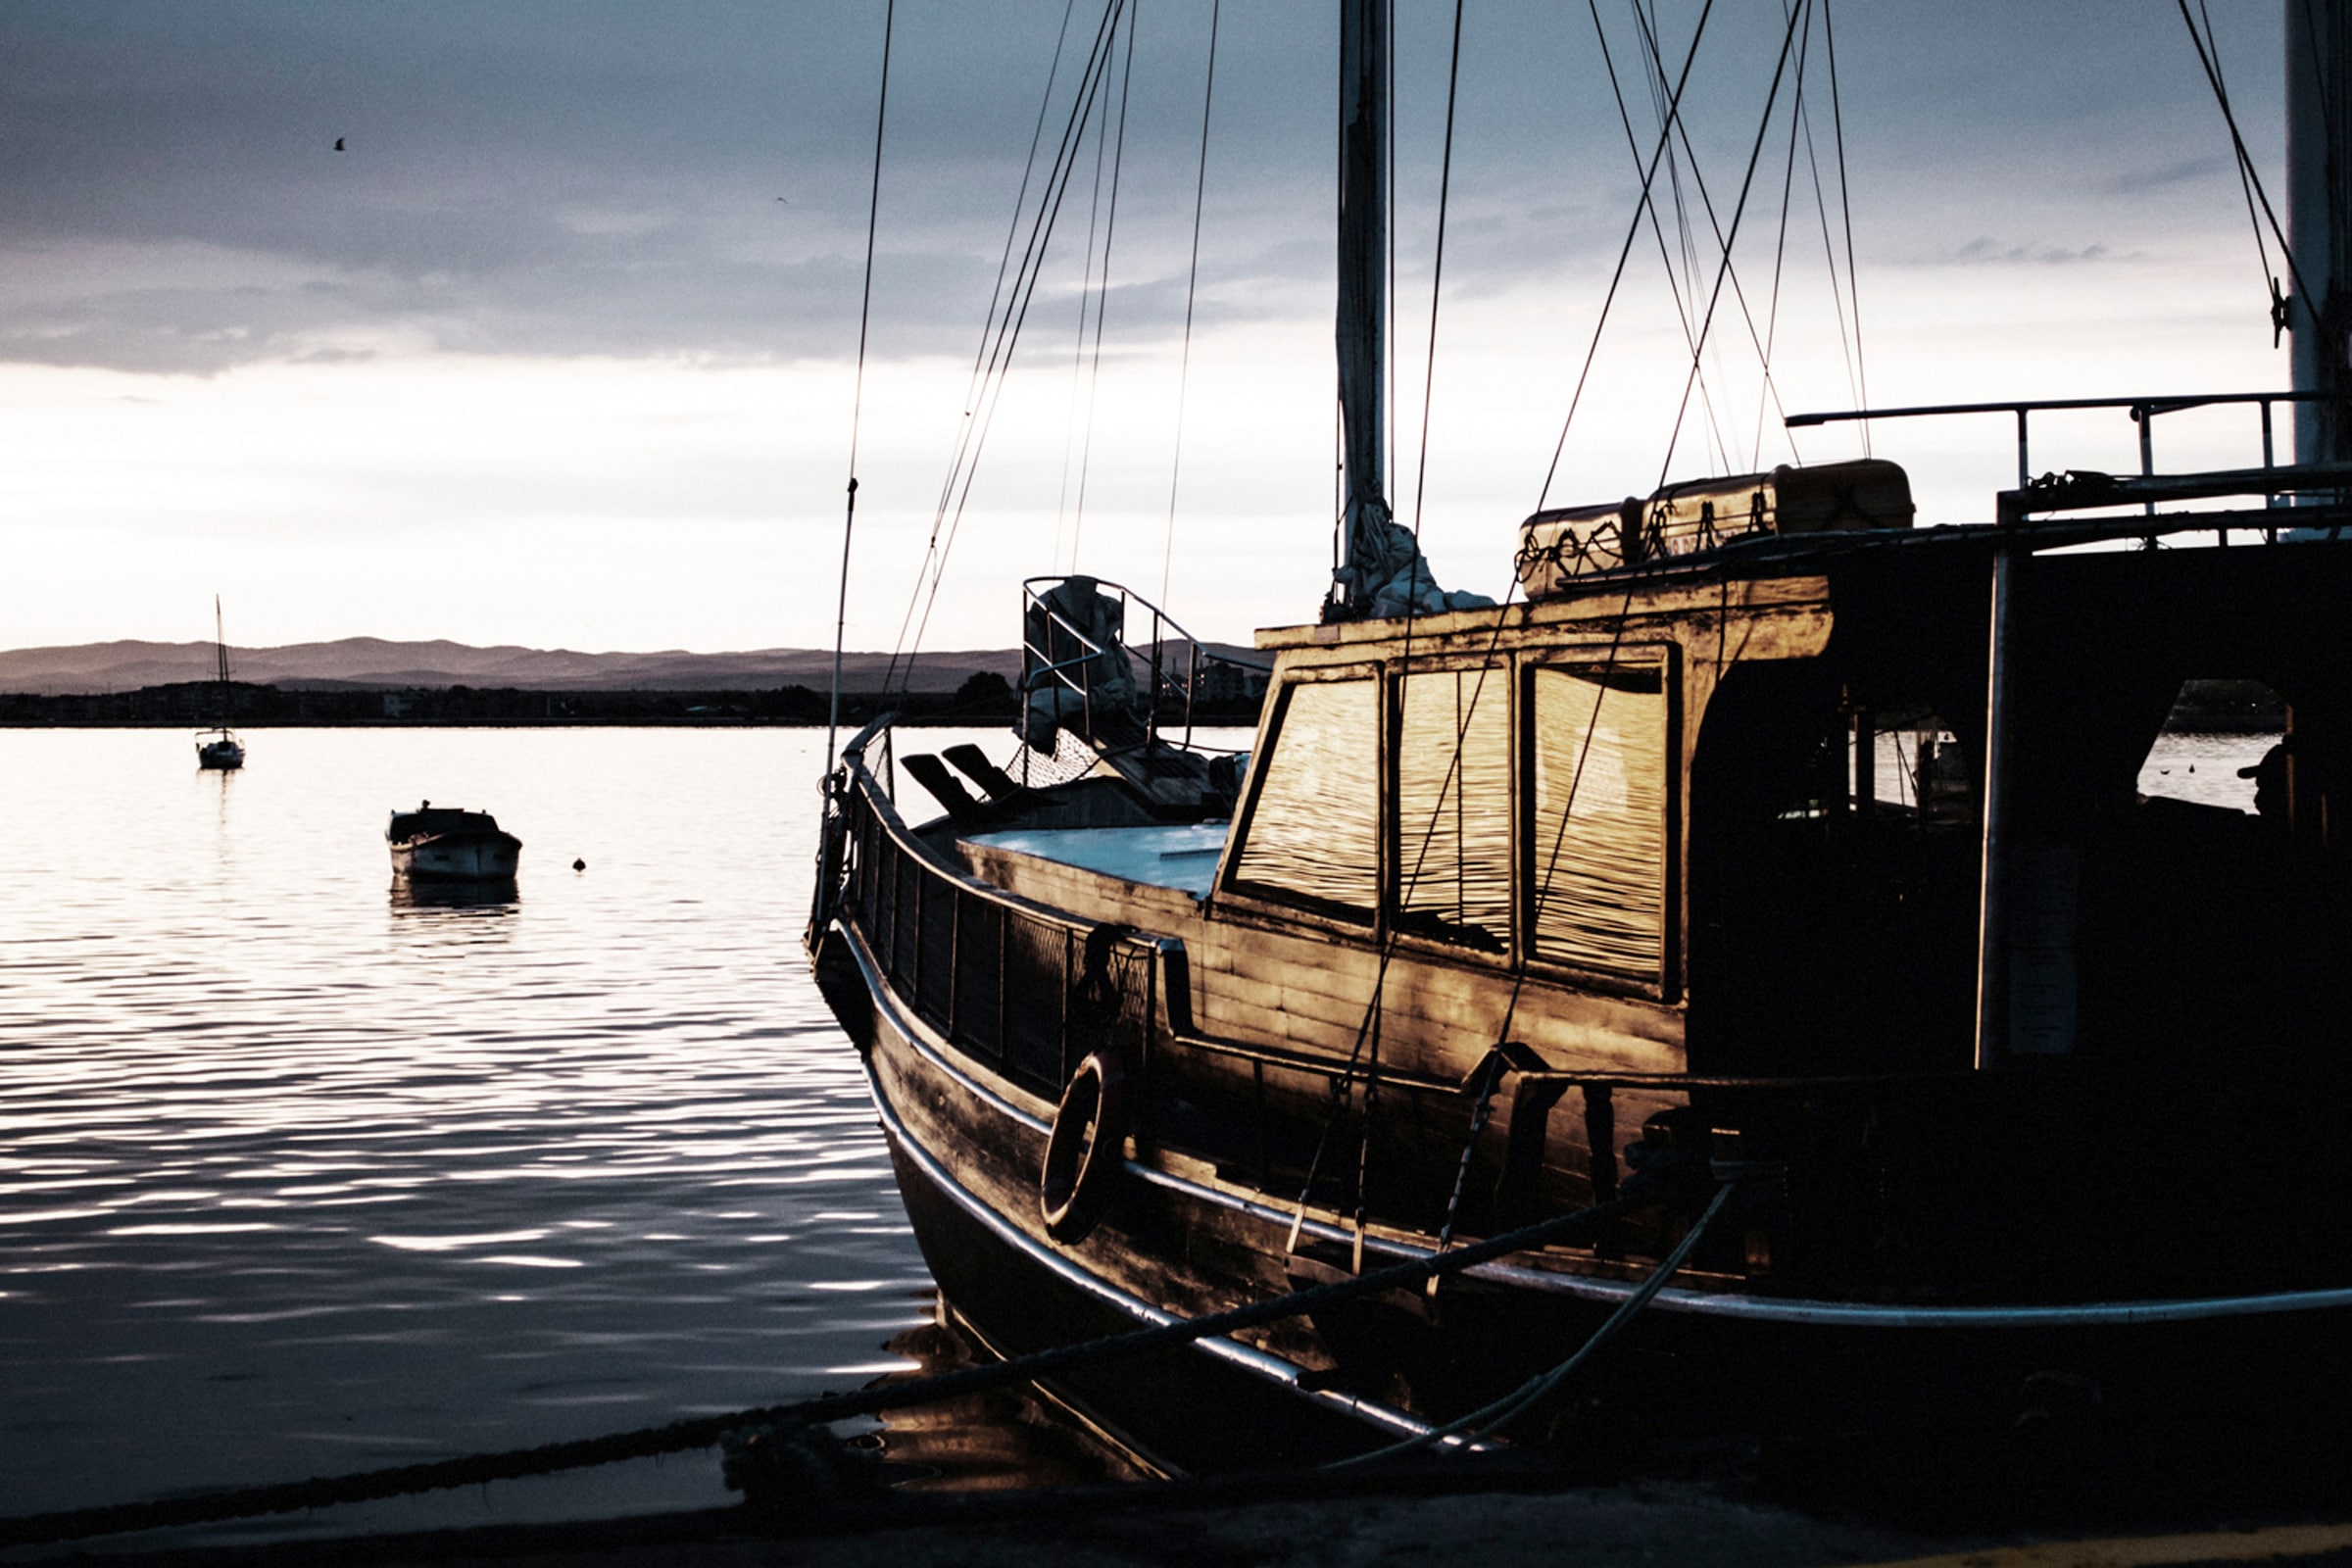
(301, 1174)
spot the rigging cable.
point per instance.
(2245, 159)
(1779, 243)
(865, 304)
(1437, 279)
(956, 493)
(1739, 212)
(1848, 345)
(1437, 276)
(1367, 1032)
(1624, 251)
(1086, 295)
(1110, 229)
(1845, 212)
(1191, 283)
(996, 294)
(1723, 244)
(1632, 146)
(1343, 1083)
(1000, 368)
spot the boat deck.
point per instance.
(1183, 857)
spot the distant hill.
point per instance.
(375, 662)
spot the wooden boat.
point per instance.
(1773, 843)
(442, 843)
(223, 751)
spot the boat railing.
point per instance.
(1017, 986)
(2143, 412)
(1075, 641)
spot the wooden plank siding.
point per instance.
(1264, 976)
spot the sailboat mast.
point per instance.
(220, 655)
(1362, 285)
(2318, 220)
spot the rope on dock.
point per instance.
(702, 1432)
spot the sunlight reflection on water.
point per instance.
(303, 1173)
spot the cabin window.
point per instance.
(1314, 833)
(1598, 839)
(1905, 763)
(2217, 748)
(1454, 807)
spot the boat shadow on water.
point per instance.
(1000, 1440)
(476, 897)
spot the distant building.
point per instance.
(1222, 682)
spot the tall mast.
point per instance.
(2318, 220)
(220, 653)
(1363, 285)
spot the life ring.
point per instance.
(1088, 1143)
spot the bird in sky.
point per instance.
(338, 144)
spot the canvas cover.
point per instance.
(1558, 545)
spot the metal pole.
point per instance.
(1992, 909)
(1362, 279)
(866, 307)
(2318, 62)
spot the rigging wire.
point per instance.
(1086, 295)
(866, 302)
(1739, 212)
(1020, 202)
(1633, 145)
(1779, 245)
(1624, 251)
(1845, 209)
(1192, 282)
(2262, 248)
(1849, 345)
(1723, 245)
(1645, 25)
(1110, 229)
(2245, 159)
(1437, 279)
(999, 342)
(1437, 276)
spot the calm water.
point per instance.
(299, 1175)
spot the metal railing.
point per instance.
(1129, 691)
(2143, 411)
(1017, 987)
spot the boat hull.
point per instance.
(221, 756)
(2170, 1378)
(458, 858)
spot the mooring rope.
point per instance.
(702, 1432)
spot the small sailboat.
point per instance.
(219, 748)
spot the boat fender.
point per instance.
(1094, 997)
(1088, 1143)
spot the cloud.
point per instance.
(2182, 171)
(1985, 251)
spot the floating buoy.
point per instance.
(579, 865)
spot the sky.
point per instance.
(561, 349)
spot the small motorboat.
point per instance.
(444, 844)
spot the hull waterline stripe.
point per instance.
(1707, 1303)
